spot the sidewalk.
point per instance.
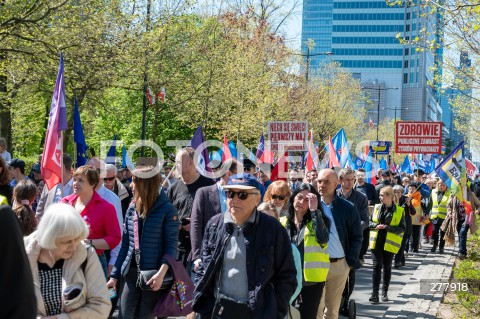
(406, 300)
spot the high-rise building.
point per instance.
(460, 94)
(364, 37)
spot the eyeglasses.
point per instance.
(109, 178)
(280, 197)
(241, 195)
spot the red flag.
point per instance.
(267, 156)
(280, 170)
(51, 166)
(332, 155)
(371, 123)
(470, 168)
(226, 154)
(310, 165)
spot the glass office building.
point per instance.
(363, 36)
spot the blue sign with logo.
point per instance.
(380, 147)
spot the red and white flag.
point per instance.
(150, 97)
(371, 123)
(51, 165)
(161, 95)
(332, 155)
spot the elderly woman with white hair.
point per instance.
(67, 275)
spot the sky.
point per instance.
(292, 28)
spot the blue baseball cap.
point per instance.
(242, 181)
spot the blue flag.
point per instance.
(233, 149)
(126, 160)
(406, 166)
(260, 147)
(369, 169)
(383, 164)
(452, 171)
(359, 162)
(203, 160)
(341, 147)
(112, 151)
(79, 137)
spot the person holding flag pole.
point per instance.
(461, 204)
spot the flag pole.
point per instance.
(61, 162)
(168, 176)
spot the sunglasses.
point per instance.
(280, 197)
(241, 195)
(109, 178)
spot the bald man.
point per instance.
(344, 243)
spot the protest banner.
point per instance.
(293, 134)
(418, 137)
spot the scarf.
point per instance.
(416, 198)
(449, 225)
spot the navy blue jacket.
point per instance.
(271, 270)
(347, 222)
(159, 237)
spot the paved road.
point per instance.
(404, 282)
(405, 300)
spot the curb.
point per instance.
(410, 303)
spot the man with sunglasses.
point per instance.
(112, 183)
(248, 269)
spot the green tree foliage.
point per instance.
(231, 73)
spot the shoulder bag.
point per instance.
(143, 276)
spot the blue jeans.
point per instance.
(462, 230)
(104, 263)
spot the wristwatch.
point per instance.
(91, 243)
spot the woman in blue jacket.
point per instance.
(157, 223)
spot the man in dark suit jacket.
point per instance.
(209, 201)
(16, 291)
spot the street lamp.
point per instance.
(308, 55)
(378, 101)
(395, 109)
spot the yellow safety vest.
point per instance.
(3, 200)
(316, 261)
(393, 241)
(439, 209)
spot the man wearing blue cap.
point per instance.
(247, 268)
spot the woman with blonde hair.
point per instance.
(387, 225)
(67, 275)
(150, 232)
(278, 194)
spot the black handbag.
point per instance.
(143, 276)
(231, 309)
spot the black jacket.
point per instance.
(369, 190)
(347, 222)
(360, 201)
(205, 205)
(270, 267)
(16, 291)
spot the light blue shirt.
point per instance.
(223, 198)
(335, 248)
